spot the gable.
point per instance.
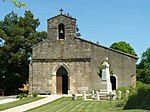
(61, 27)
(61, 15)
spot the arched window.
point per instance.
(61, 31)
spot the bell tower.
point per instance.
(61, 27)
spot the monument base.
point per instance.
(106, 89)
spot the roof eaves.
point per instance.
(38, 44)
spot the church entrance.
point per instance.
(62, 81)
(113, 82)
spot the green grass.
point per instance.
(65, 104)
(18, 103)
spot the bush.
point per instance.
(123, 90)
(121, 103)
(34, 94)
(22, 95)
(140, 100)
(139, 84)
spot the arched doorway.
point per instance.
(62, 81)
(113, 82)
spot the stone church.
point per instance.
(68, 64)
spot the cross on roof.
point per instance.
(61, 10)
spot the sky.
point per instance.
(105, 21)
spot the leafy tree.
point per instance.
(17, 36)
(16, 3)
(124, 47)
(143, 68)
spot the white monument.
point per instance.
(106, 86)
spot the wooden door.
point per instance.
(59, 84)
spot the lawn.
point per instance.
(18, 103)
(66, 104)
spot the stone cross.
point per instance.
(61, 10)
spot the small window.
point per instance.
(61, 31)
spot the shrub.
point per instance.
(22, 95)
(139, 84)
(25, 95)
(121, 103)
(34, 94)
(123, 90)
(140, 100)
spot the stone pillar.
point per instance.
(93, 96)
(119, 95)
(84, 95)
(69, 85)
(115, 95)
(105, 71)
(127, 93)
(30, 78)
(106, 86)
(97, 95)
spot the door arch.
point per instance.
(113, 82)
(62, 81)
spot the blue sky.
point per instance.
(106, 21)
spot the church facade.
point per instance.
(67, 64)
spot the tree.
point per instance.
(124, 47)
(143, 68)
(17, 36)
(16, 3)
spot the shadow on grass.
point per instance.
(140, 100)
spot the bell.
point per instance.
(61, 31)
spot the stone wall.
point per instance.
(62, 49)
(44, 76)
(123, 66)
(78, 52)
